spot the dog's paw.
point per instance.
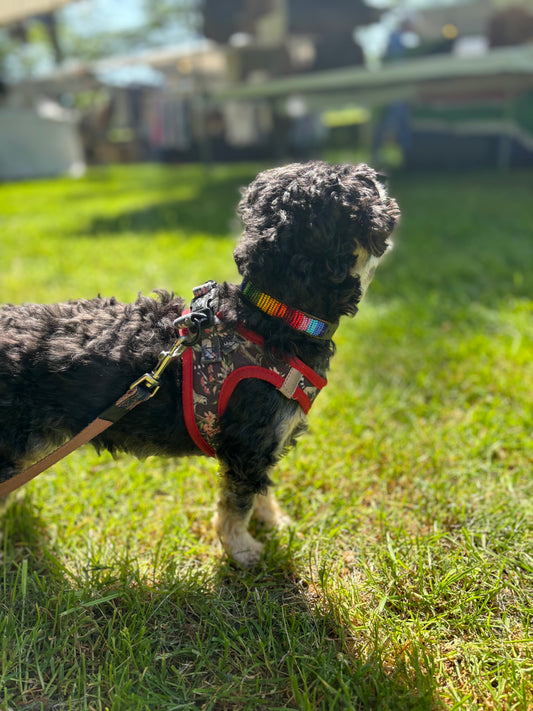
(245, 551)
(235, 539)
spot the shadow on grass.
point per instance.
(186, 215)
(193, 638)
(207, 207)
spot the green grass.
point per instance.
(407, 582)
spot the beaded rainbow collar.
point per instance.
(298, 320)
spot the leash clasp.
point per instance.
(151, 381)
(194, 322)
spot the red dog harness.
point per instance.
(220, 360)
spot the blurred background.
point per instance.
(420, 84)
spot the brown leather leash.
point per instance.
(140, 391)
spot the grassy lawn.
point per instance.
(407, 582)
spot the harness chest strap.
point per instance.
(214, 367)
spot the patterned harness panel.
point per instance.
(220, 360)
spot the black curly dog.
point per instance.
(313, 234)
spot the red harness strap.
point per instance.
(213, 367)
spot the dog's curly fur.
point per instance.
(312, 236)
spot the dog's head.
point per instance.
(314, 234)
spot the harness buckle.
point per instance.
(290, 383)
(197, 319)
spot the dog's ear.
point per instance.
(377, 214)
(381, 219)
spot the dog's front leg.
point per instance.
(234, 510)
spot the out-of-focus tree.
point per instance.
(160, 12)
(163, 22)
(40, 42)
(27, 45)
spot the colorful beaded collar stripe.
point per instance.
(299, 320)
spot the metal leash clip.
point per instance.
(195, 322)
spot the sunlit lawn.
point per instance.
(407, 582)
